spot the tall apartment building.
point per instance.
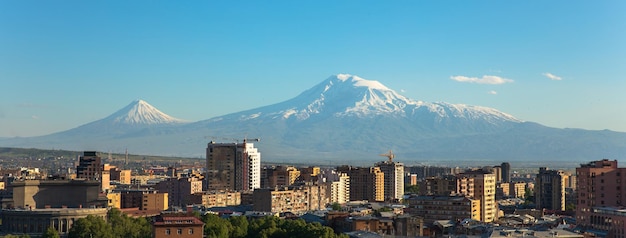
(484, 191)
(550, 189)
(180, 190)
(340, 189)
(506, 172)
(233, 166)
(89, 166)
(365, 183)
(497, 170)
(600, 204)
(394, 178)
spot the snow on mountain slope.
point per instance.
(345, 95)
(140, 112)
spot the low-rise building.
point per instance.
(216, 198)
(433, 208)
(179, 226)
(295, 199)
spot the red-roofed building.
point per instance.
(177, 225)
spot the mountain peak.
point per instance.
(140, 112)
(359, 82)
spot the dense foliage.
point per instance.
(266, 227)
(117, 225)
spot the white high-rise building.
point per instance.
(233, 166)
(394, 179)
(340, 189)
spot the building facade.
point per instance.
(233, 166)
(217, 198)
(600, 204)
(455, 208)
(179, 190)
(340, 189)
(394, 179)
(550, 189)
(178, 226)
(295, 199)
(484, 191)
(365, 183)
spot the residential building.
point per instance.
(122, 176)
(309, 174)
(296, 199)
(503, 190)
(517, 189)
(601, 202)
(155, 201)
(178, 226)
(394, 178)
(506, 172)
(365, 183)
(440, 185)
(233, 166)
(89, 166)
(484, 191)
(452, 207)
(280, 176)
(217, 198)
(114, 200)
(179, 190)
(340, 189)
(550, 189)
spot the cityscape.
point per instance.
(384, 199)
(280, 119)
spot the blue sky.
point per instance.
(67, 63)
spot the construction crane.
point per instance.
(233, 139)
(389, 155)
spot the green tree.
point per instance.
(91, 227)
(336, 206)
(216, 227)
(50, 233)
(239, 226)
(128, 227)
(411, 189)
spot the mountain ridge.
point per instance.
(343, 117)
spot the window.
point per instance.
(190, 231)
(179, 231)
(167, 231)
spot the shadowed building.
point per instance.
(38, 204)
(550, 189)
(233, 166)
(365, 183)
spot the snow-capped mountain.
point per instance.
(140, 112)
(349, 95)
(344, 117)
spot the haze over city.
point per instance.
(64, 64)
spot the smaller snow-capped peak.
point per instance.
(141, 112)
